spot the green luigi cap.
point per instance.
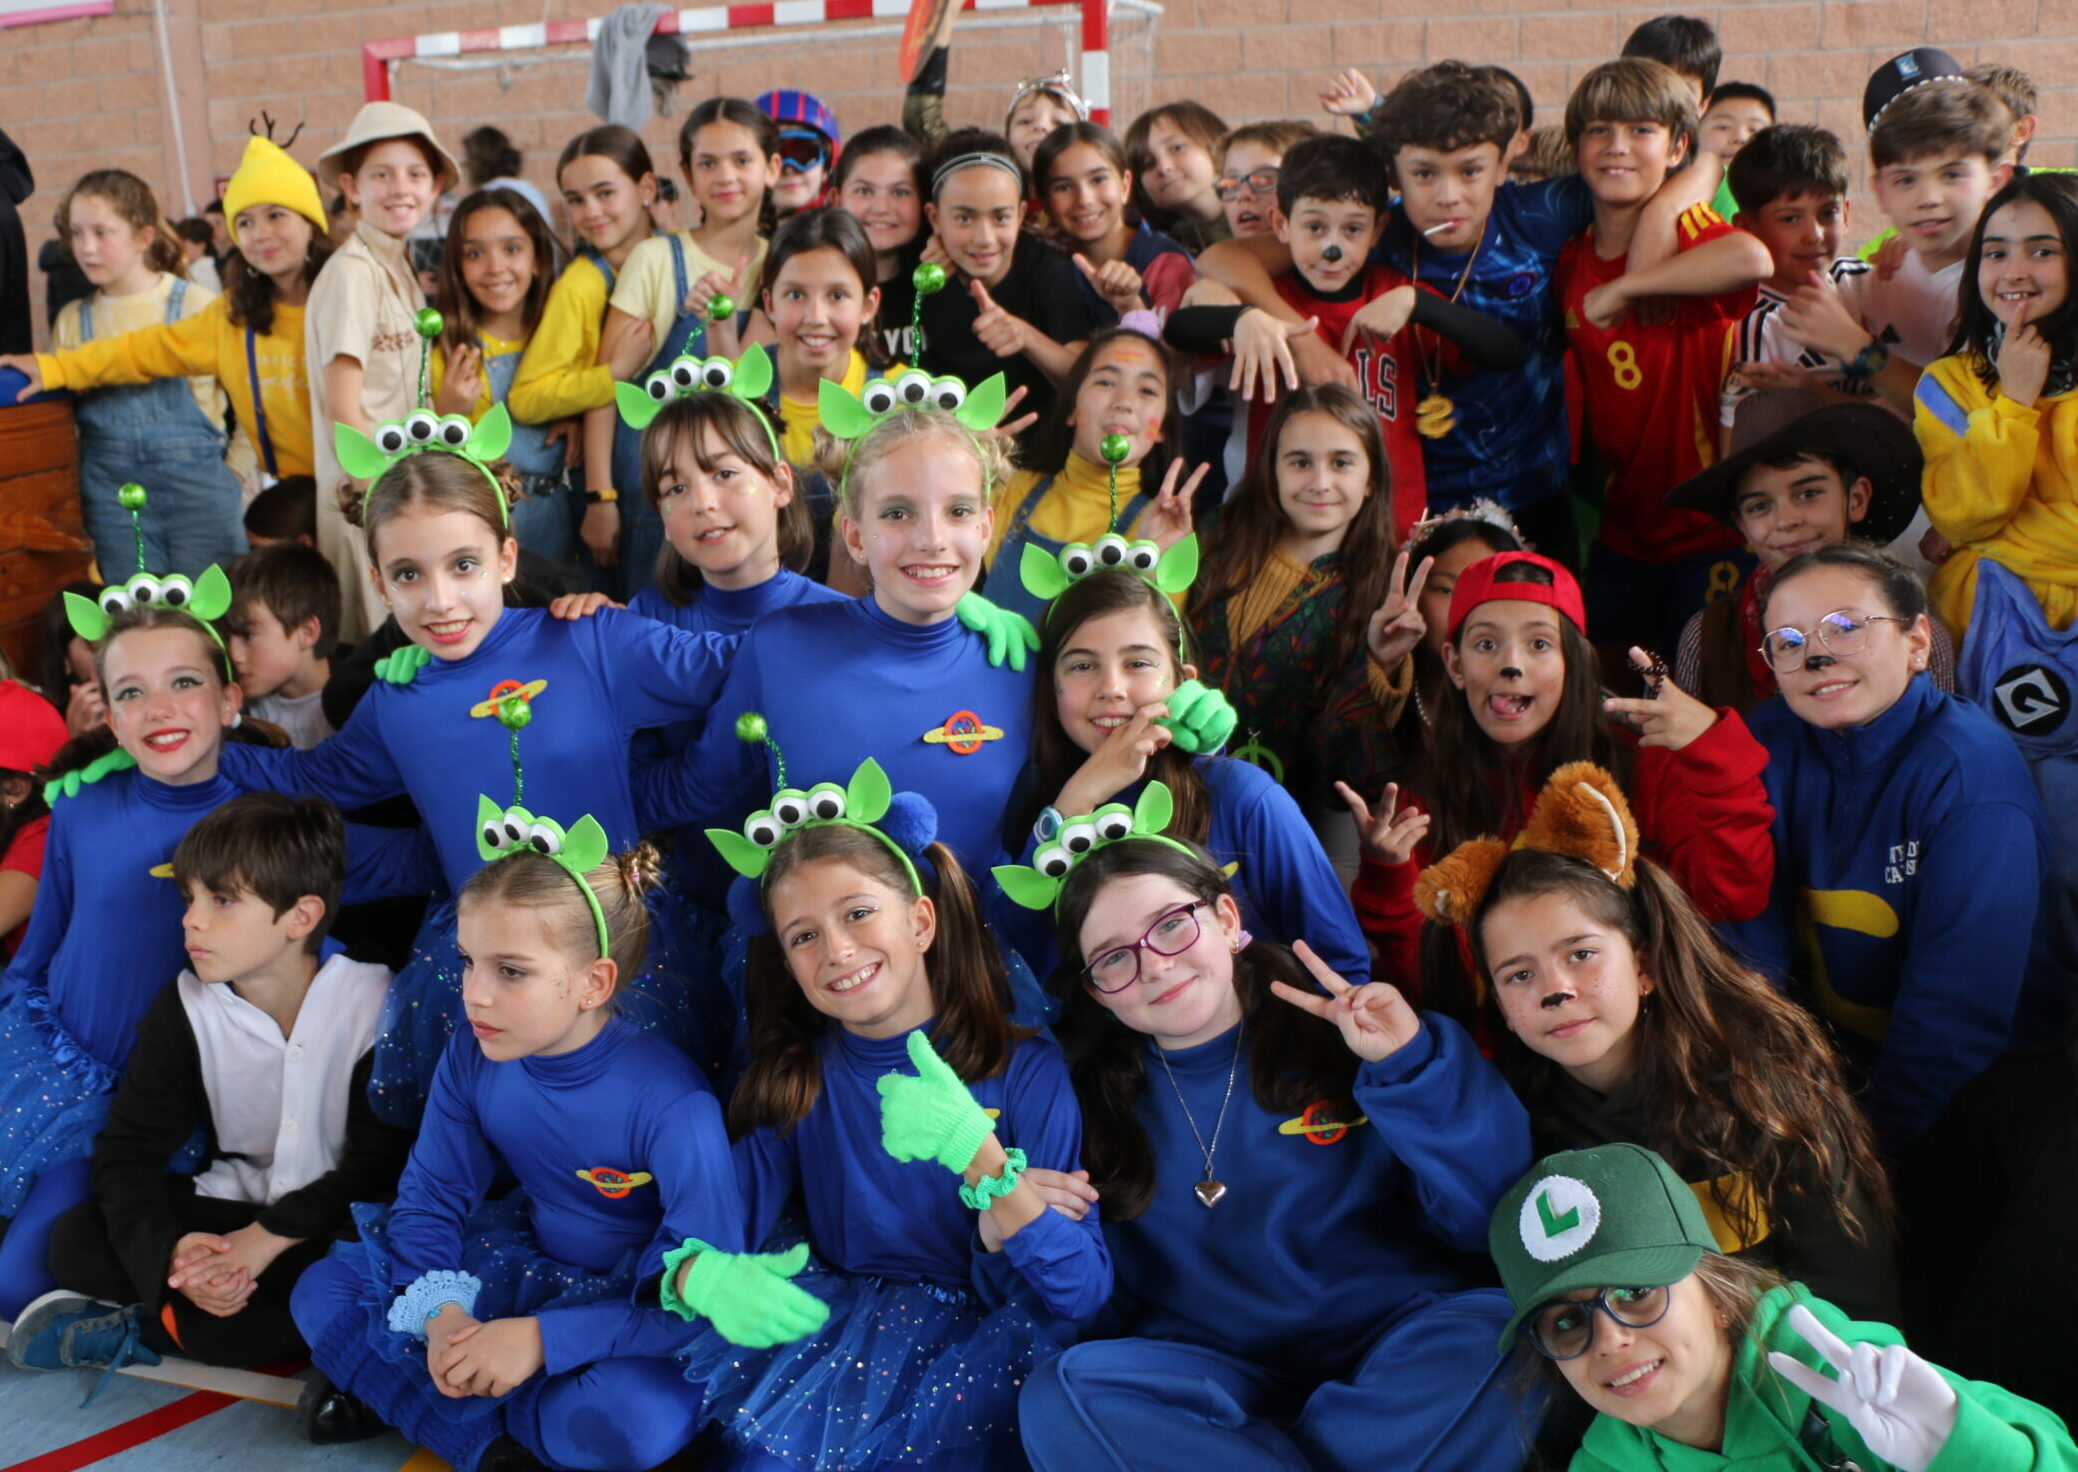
(1613, 1216)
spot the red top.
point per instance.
(1702, 814)
(25, 853)
(1651, 395)
(1388, 375)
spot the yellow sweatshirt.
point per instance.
(799, 418)
(2001, 482)
(208, 345)
(1076, 507)
(561, 375)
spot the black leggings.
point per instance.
(262, 1333)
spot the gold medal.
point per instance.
(1433, 417)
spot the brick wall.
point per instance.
(87, 93)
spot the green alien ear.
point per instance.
(745, 857)
(753, 375)
(492, 436)
(488, 814)
(584, 845)
(88, 619)
(842, 414)
(212, 598)
(1040, 572)
(1178, 568)
(868, 794)
(1152, 812)
(984, 404)
(636, 406)
(357, 454)
(1025, 886)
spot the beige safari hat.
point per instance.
(372, 124)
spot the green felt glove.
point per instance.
(69, 784)
(745, 1295)
(931, 1116)
(401, 666)
(1010, 635)
(1200, 719)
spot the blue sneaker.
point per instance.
(66, 1331)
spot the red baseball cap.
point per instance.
(1494, 577)
(31, 730)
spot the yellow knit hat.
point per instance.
(267, 175)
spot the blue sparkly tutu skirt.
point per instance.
(674, 995)
(359, 1350)
(902, 1372)
(54, 1095)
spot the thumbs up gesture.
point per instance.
(996, 330)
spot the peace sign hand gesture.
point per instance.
(1670, 716)
(1392, 834)
(1168, 518)
(1397, 626)
(1375, 1020)
(1896, 1402)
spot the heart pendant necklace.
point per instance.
(1210, 1191)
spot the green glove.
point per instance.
(745, 1295)
(69, 784)
(1200, 719)
(1009, 634)
(401, 666)
(931, 1116)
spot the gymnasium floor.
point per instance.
(141, 1425)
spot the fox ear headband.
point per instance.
(503, 832)
(366, 457)
(207, 597)
(904, 821)
(1581, 813)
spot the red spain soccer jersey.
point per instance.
(1651, 395)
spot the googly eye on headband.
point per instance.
(207, 597)
(1038, 885)
(847, 417)
(904, 821)
(749, 378)
(1047, 575)
(502, 832)
(366, 457)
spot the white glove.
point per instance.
(1898, 1403)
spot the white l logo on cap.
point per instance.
(1559, 1217)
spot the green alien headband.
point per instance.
(1037, 886)
(366, 457)
(848, 418)
(861, 803)
(749, 378)
(207, 597)
(1047, 575)
(503, 832)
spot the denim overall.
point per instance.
(1005, 586)
(2025, 676)
(642, 530)
(154, 434)
(545, 517)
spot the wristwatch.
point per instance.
(1869, 362)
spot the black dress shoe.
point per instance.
(328, 1415)
(507, 1455)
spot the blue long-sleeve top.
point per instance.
(870, 1213)
(1320, 1236)
(1910, 858)
(608, 676)
(1282, 879)
(105, 936)
(839, 682)
(625, 1102)
(727, 611)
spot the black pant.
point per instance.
(262, 1333)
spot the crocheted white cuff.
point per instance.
(429, 1294)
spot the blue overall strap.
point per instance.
(605, 269)
(175, 298)
(86, 316)
(684, 287)
(252, 373)
(1022, 517)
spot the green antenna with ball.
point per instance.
(928, 279)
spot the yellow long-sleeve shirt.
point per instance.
(208, 345)
(561, 375)
(493, 347)
(2001, 482)
(1076, 507)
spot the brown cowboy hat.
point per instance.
(1776, 422)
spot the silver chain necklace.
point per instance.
(1208, 1191)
